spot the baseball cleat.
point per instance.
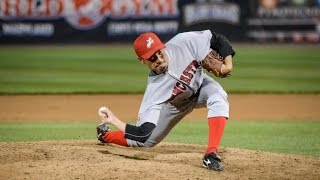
(212, 161)
(102, 129)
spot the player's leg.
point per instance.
(106, 136)
(170, 115)
(213, 97)
(136, 136)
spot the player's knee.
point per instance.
(139, 133)
(220, 102)
(218, 106)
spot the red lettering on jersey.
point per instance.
(188, 74)
(181, 86)
(185, 77)
(193, 67)
(176, 91)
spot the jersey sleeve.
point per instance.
(197, 42)
(222, 45)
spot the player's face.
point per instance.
(158, 62)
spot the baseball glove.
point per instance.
(213, 63)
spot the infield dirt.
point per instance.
(88, 159)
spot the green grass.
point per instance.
(114, 69)
(70, 70)
(40, 131)
(275, 68)
(300, 137)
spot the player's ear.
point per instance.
(142, 61)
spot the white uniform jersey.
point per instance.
(183, 78)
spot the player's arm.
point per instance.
(136, 133)
(221, 44)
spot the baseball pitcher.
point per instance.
(177, 83)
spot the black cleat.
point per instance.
(212, 161)
(102, 129)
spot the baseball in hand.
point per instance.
(103, 111)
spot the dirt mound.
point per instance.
(91, 160)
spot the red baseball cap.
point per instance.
(147, 44)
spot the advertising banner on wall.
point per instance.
(285, 20)
(221, 16)
(85, 20)
(107, 21)
(78, 21)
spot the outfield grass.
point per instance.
(300, 137)
(114, 69)
(70, 70)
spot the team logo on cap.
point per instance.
(150, 41)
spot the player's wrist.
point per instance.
(114, 120)
(118, 123)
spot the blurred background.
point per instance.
(110, 21)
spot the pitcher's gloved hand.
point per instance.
(102, 129)
(213, 63)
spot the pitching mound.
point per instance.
(92, 160)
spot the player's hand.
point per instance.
(227, 66)
(106, 116)
(219, 66)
